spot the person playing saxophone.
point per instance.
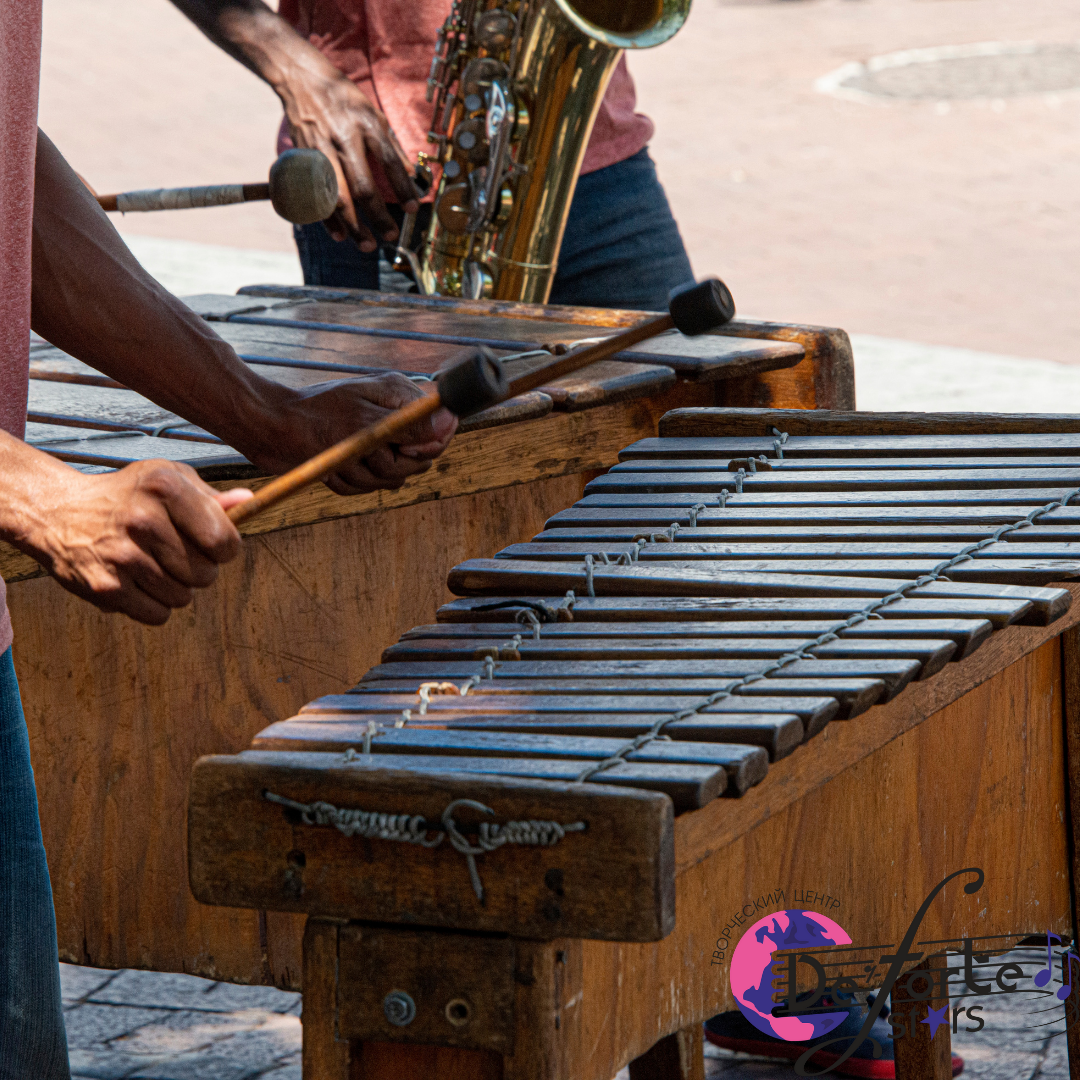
(352, 77)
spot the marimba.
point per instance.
(768, 650)
(118, 713)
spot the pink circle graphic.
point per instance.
(752, 976)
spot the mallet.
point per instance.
(476, 381)
(302, 189)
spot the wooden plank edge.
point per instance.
(705, 832)
(758, 423)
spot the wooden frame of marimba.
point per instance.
(118, 713)
(974, 765)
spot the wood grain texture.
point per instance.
(679, 1056)
(920, 1056)
(118, 713)
(848, 837)
(613, 880)
(1070, 685)
(324, 1055)
(397, 1061)
(859, 816)
(463, 998)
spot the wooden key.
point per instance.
(998, 612)
(966, 634)
(931, 655)
(744, 765)
(476, 381)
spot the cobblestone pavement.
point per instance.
(140, 1025)
(152, 1026)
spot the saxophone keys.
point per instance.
(452, 207)
(495, 29)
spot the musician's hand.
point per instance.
(314, 418)
(137, 541)
(327, 112)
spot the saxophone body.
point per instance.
(516, 86)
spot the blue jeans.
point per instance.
(621, 248)
(32, 1039)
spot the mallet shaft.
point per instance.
(574, 361)
(387, 430)
(186, 198)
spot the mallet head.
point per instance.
(472, 381)
(700, 306)
(303, 186)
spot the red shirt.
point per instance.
(386, 46)
(20, 60)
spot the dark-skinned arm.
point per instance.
(324, 110)
(92, 299)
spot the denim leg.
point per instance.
(32, 1039)
(621, 248)
(338, 263)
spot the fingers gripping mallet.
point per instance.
(302, 189)
(476, 381)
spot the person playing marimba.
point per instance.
(138, 540)
(352, 77)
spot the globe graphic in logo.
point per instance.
(752, 976)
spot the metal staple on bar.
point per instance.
(414, 829)
(427, 689)
(870, 611)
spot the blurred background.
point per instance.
(926, 206)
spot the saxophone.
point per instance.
(516, 86)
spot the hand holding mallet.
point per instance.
(476, 381)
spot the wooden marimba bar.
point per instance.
(627, 725)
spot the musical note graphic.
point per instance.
(1043, 977)
(1066, 988)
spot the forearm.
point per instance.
(261, 40)
(92, 299)
(31, 480)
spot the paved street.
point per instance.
(147, 1026)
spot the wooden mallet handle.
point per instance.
(476, 381)
(302, 188)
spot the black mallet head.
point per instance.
(472, 381)
(700, 306)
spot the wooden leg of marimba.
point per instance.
(923, 1053)
(677, 1057)
(402, 1061)
(325, 1056)
(1070, 683)
(389, 1003)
